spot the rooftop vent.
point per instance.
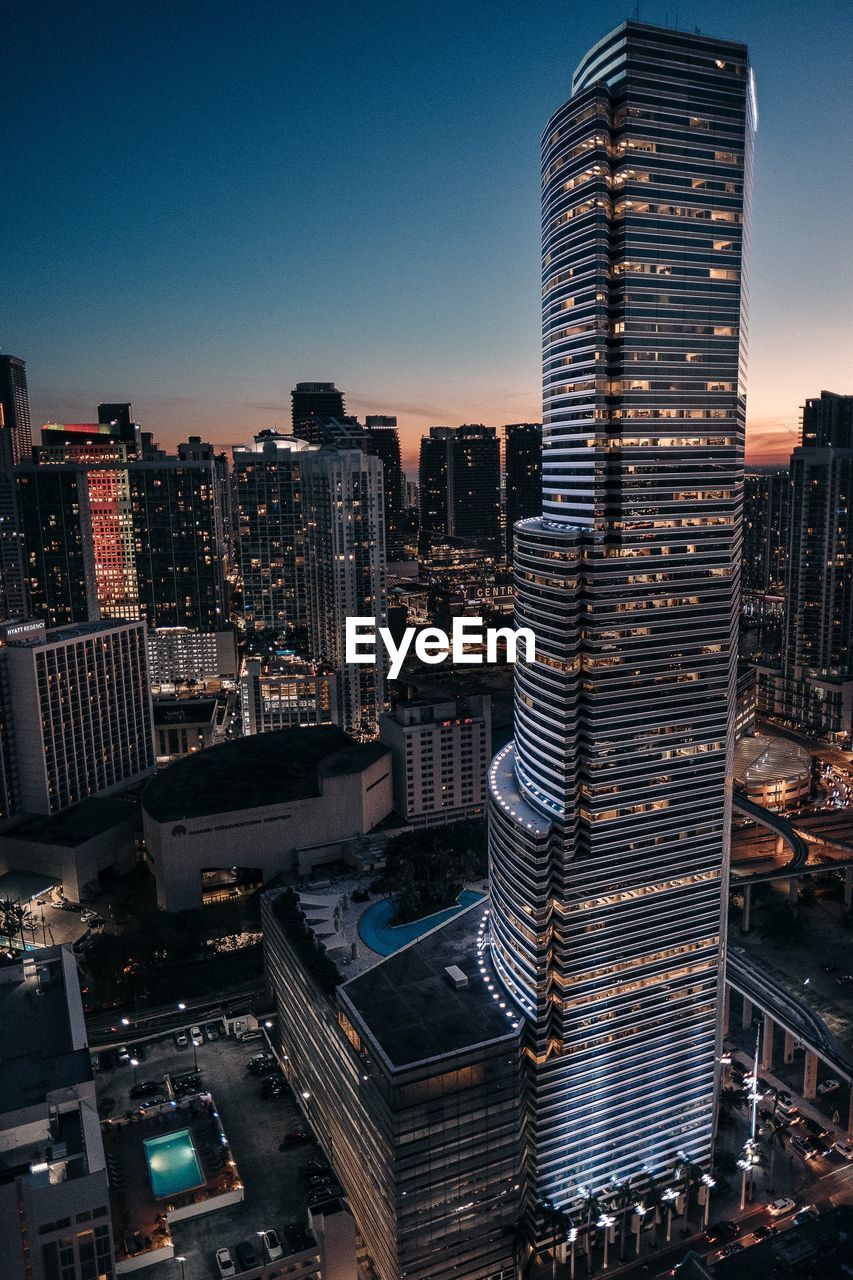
(455, 976)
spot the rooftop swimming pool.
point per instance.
(173, 1164)
(378, 933)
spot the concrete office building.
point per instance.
(285, 693)
(410, 1074)
(610, 812)
(272, 803)
(343, 497)
(440, 753)
(81, 712)
(55, 1219)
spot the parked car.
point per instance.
(181, 1039)
(212, 1031)
(722, 1231)
(246, 1254)
(123, 1055)
(88, 914)
(146, 1088)
(254, 1034)
(764, 1233)
(804, 1147)
(196, 1036)
(296, 1137)
(808, 1213)
(845, 1150)
(780, 1207)
(225, 1263)
(729, 1250)
(272, 1246)
(828, 1086)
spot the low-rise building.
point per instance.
(261, 802)
(79, 848)
(179, 656)
(55, 1219)
(818, 704)
(183, 726)
(773, 772)
(440, 753)
(285, 693)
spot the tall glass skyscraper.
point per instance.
(609, 814)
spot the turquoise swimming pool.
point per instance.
(173, 1164)
(377, 932)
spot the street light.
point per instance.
(179, 1257)
(134, 1062)
(606, 1221)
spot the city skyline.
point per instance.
(420, 301)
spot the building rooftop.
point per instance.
(413, 1012)
(76, 825)
(37, 1053)
(176, 711)
(249, 773)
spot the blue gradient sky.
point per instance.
(204, 203)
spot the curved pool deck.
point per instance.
(376, 931)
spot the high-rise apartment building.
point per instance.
(610, 812)
(460, 487)
(766, 507)
(58, 543)
(55, 1220)
(522, 474)
(15, 406)
(315, 399)
(813, 688)
(176, 516)
(342, 493)
(271, 531)
(179, 655)
(81, 711)
(14, 597)
(440, 754)
(385, 443)
(819, 605)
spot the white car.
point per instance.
(225, 1263)
(196, 1036)
(780, 1207)
(272, 1246)
(828, 1086)
(845, 1149)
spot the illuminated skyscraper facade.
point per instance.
(609, 814)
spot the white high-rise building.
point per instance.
(342, 494)
(609, 814)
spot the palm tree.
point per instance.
(623, 1200)
(8, 924)
(688, 1174)
(520, 1243)
(23, 918)
(653, 1195)
(590, 1207)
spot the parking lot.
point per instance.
(275, 1194)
